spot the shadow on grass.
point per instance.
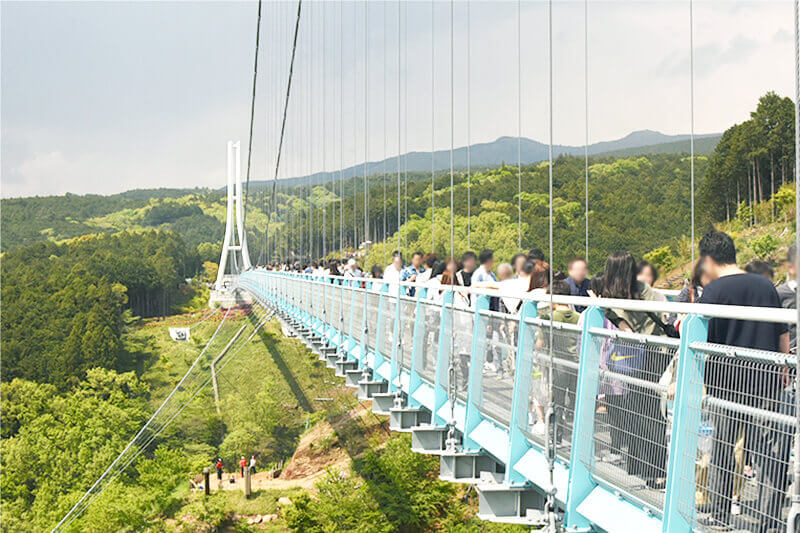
(358, 432)
(280, 362)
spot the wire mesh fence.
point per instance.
(744, 430)
(336, 307)
(631, 420)
(463, 321)
(499, 362)
(408, 310)
(564, 368)
(357, 315)
(372, 312)
(425, 363)
(388, 316)
(327, 296)
(741, 427)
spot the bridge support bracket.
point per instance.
(403, 419)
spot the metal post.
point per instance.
(520, 401)
(394, 378)
(679, 504)
(247, 481)
(473, 417)
(377, 357)
(581, 482)
(440, 387)
(414, 380)
(206, 480)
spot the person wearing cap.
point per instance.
(352, 270)
(242, 465)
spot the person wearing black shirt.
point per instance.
(740, 381)
(469, 261)
(578, 280)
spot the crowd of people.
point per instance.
(636, 423)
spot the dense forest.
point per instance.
(751, 161)
(64, 305)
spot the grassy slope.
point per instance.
(273, 382)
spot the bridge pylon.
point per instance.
(235, 257)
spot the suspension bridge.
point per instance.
(617, 450)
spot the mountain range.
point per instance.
(504, 150)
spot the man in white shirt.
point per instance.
(484, 277)
(517, 285)
(392, 272)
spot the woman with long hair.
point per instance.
(642, 422)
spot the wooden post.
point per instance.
(247, 481)
(207, 480)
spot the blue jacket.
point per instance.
(578, 290)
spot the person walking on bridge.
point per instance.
(392, 272)
(468, 263)
(578, 280)
(741, 382)
(645, 426)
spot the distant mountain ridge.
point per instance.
(504, 149)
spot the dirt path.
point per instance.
(264, 481)
(316, 452)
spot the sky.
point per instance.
(103, 97)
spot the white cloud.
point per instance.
(79, 122)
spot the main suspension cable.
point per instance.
(366, 122)
(399, 123)
(252, 119)
(691, 115)
(519, 125)
(469, 135)
(433, 130)
(286, 104)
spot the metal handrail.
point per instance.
(758, 314)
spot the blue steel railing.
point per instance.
(500, 363)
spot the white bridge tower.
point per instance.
(235, 257)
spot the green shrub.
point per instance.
(662, 258)
(764, 246)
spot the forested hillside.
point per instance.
(751, 161)
(30, 220)
(638, 201)
(64, 305)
